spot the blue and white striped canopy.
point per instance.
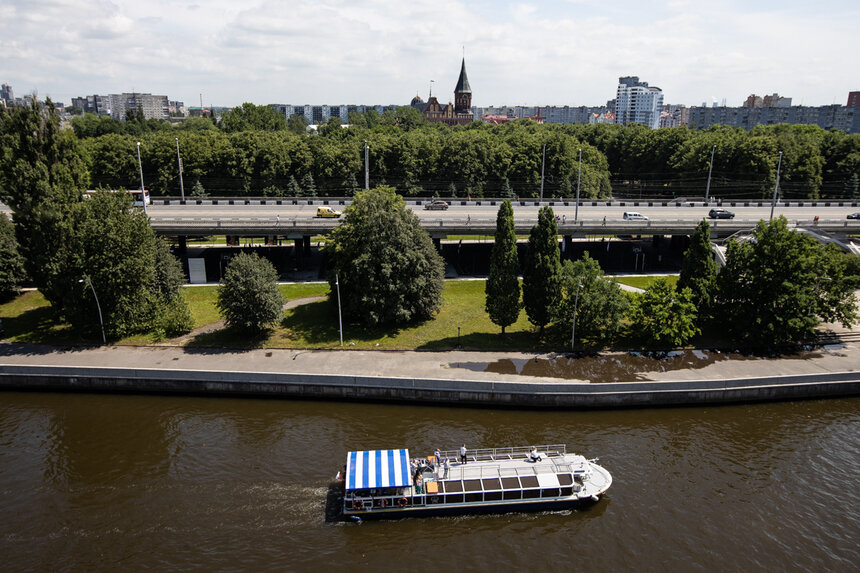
(377, 468)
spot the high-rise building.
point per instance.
(853, 99)
(637, 102)
(7, 95)
(90, 104)
(152, 106)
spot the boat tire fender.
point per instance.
(358, 504)
(402, 502)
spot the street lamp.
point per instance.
(179, 162)
(339, 319)
(366, 167)
(542, 164)
(140, 167)
(575, 308)
(710, 169)
(98, 306)
(578, 179)
(775, 187)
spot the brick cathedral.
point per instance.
(457, 113)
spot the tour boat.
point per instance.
(389, 483)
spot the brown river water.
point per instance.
(132, 483)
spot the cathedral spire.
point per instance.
(463, 83)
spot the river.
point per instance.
(129, 483)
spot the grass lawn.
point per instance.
(645, 281)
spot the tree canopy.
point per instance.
(542, 270)
(503, 284)
(778, 286)
(248, 297)
(388, 268)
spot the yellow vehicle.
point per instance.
(327, 213)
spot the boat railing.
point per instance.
(493, 454)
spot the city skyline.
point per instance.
(379, 52)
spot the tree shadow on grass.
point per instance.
(520, 341)
(316, 324)
(230, 337)
(39, 326)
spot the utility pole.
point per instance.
(339, 319)
(179, 162)
(575, 308)
(142, 191)
(366, 167)
(578, 179)
(775, 187)
(710, 169)
(542, 164)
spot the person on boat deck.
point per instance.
(463, 454)
(419, 484)
(438, 456)
(445, 465)
(534, 455)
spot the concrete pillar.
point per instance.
(306, 240)
(437, 242)
(298, 243)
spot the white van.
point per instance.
(634, 216)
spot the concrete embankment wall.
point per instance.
(440, 391)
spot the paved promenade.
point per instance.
(453, 365)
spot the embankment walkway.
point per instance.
(453, 377)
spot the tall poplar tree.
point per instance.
(699, 271)
(503, 286)
(542, 270)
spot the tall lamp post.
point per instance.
(542, 164)
(366, 167)
(140, 167)
(578, 179)
(98, 306)
(575, 308)
(339, 319)
(179, 162)
(775, 187)
(710, 169)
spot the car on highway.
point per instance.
(720, 214)
(327, 213)
(634, 216)
(853, 216)
(436, 205)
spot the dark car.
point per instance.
(853, 216)
(720, 214)
(434, 205)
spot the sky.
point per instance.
(535, 53)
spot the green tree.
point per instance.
(779, 286)
(293, 188)
(198, 191)
(111, 242)
(12, 273)
(507, 190)
(542, 270)
(310, 188)
(298, 124)
(699, 271)
(388, 267)
(248, 297)
(503, 285)
(42, 175)
(599, 303)
(173, 314)
(665, 316)
(253, 117)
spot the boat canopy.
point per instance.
(376, 469)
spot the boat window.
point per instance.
(513, 494)
(549, 492)
(510, 483)
(493, 496)
(474, 497)
(453, 486)
(565, 479)
(472, 485)
(456, 498)
(529, 481)
(530, 493)
(491, 484)
(567, 491)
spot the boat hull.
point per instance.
(443, 510)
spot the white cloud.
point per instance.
(551, 52)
